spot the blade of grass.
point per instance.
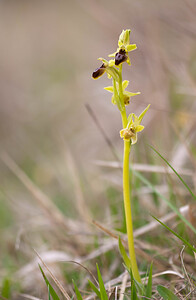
(51, 290)
(184, 183)
(149, 284)
(78, 295)
(61, 288)
(49, 293)
(133, 288)
(94, 288)
(103, 293)
(146, 182)
(166, 293)
(176, 234)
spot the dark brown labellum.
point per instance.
(120, 57)
(99, 72)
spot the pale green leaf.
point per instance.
(166, 293)
(124, 255)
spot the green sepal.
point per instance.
(109, 89)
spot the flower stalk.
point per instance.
(131, 126)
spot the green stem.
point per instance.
(128, 215)
(126, 187)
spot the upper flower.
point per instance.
(124, 46)
(133, 127)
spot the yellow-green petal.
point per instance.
(131, 47)
(139, 128)
(109, 89)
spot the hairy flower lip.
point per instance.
(120, 57)
(99, 71)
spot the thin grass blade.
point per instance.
(103, 292)
(184, 183)
(94, 288)
(49, 293)
(146, 182)
(133, 288)
(176, 234)
(149, 284)
(78, 295)
(52, 291)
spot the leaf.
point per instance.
(184, 183)
(52, 291)
(124, 255)
(176, 234)
(78, 295)
(103, 293)
(94, 288)
(149, 284)
(166, 293)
